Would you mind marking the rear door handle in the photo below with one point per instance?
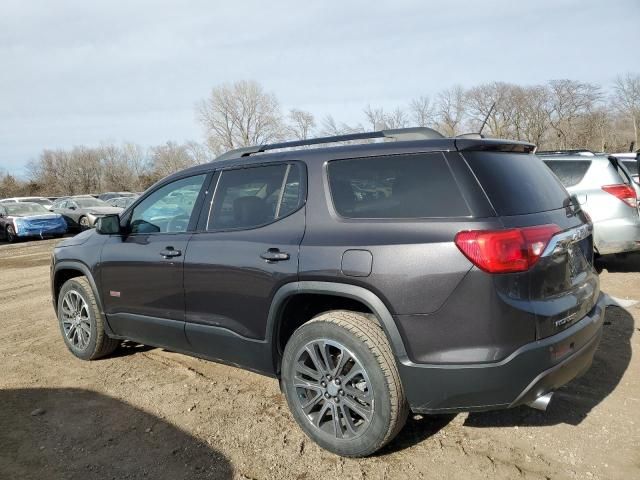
(170, 252)
(274, 255)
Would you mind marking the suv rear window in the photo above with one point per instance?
(398, 186)
(517, 183)
(570, 172)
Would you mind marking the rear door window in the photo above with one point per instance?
(255, 196)
(398, 186)
(570, 172)
(517, 183)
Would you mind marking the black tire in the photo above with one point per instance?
(98, 344)
(83, 224)
(10, 234)
(367, 341)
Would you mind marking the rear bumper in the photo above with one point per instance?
(532, 370)
(617, 235)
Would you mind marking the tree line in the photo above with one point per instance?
(560, 114)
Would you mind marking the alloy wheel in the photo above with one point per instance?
(84, 223)
(75, 319)
(333, 389)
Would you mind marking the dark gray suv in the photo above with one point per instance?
(425, 274)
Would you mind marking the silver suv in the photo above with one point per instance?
(606, 191)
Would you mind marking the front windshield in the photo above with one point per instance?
(24, 208)
(89, 202)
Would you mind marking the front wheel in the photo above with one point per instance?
(81, 322)
(10, 233)
(342, 384)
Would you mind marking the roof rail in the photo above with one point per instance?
(414, 133)
(582, 152)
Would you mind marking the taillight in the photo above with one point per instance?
(624, 192)
(505, 251)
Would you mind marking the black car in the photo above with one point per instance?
(421, 274)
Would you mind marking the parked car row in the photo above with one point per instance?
(40, 217)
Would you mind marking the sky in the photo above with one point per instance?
(90, 72)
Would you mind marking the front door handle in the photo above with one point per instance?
(274, 255)
(170, 252)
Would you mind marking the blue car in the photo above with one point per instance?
(18, 220)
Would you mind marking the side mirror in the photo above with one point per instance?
(108, 225)
(72, 207)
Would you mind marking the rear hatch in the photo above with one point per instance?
(559, 286)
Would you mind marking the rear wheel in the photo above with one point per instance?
(81, 322)
(10, 234)
(342, 384)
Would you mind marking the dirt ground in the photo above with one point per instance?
(149, 413)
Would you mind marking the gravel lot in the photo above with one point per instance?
(149, 413)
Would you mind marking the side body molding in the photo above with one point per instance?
(370, 299)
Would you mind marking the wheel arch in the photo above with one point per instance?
(67, 269)
(358, 294)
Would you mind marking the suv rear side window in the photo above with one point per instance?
(570, 172)
(398, 186)
(517, 183)
(255, 196)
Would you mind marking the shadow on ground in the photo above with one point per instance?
(622, 263)
(417, 429)
(84, 434)
(572, 403)
(128, 347)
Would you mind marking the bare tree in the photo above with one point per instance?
(171, 157)
(535, 112)
(569, 99)
(422, 112)
(9, 185)
(627, 99)
(376, 118)
(198, 152)
(450, 110)
(498, 103)
(301, 124)
(238, 115)
(117, 173)
(330, 127)
(398, 118)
